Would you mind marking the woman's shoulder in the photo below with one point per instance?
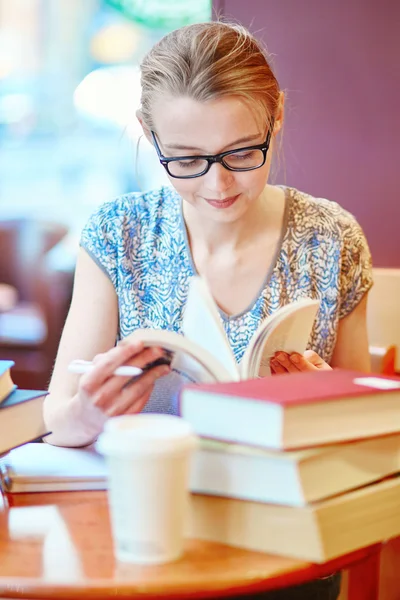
(122, 219)
(138, 204)
(322, 215)
(131, 211)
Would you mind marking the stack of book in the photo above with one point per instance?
(21, 411)
(300, 465)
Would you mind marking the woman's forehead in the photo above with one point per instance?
(184, 121)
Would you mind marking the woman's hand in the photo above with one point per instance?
(115, 395)
(295, 363)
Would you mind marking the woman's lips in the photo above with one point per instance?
(222, 203)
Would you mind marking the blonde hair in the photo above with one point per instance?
(207, 61)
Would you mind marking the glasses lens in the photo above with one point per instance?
(250, 159)
(187, 167)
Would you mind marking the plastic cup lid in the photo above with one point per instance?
(145, 433)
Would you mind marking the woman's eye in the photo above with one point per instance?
(188, 163)
(242, 156)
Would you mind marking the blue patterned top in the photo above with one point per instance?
(140, 241)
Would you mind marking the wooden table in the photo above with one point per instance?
(59, 545)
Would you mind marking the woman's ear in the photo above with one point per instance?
(278, 123)
(145, 129)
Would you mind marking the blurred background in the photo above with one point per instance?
(69, 89)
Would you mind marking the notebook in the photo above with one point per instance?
(44, 468)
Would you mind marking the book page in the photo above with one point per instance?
(186, 357)
(287, 330)
(202, 325)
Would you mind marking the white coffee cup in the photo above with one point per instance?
(148, 467)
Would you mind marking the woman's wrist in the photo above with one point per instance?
(73, 422)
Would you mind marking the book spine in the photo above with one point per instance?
(5, 479)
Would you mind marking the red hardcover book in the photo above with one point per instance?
(295, 410)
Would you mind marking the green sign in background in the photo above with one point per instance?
(164, 13)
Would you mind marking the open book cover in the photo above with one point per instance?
(203, 352)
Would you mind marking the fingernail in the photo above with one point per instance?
(281, 356)
(295, 358)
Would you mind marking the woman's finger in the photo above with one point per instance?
(301, 363)
(276, 367)
(134, 396)
(309, 361)
(105, 394)
(283, 359)
(316, 360)
(137, 407)
(105, 365)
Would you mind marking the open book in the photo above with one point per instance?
(203, 353)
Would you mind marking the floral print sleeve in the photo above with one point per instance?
(356, 267)
(101, 237)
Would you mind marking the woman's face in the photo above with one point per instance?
(186, 127)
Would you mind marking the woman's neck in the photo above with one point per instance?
(264, 215)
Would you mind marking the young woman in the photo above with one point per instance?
(213, 109)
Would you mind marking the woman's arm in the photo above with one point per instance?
(91, 326)
(351, 349)
(77, 406)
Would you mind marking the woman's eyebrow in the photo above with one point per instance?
(243, 140)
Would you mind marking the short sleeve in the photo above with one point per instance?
(356, 267)
(100, 239)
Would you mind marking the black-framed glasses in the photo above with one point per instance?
(241, 159)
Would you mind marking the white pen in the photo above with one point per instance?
(84, 366)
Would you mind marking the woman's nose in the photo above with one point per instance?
(218, 178)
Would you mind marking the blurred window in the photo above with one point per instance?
(69, 88)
